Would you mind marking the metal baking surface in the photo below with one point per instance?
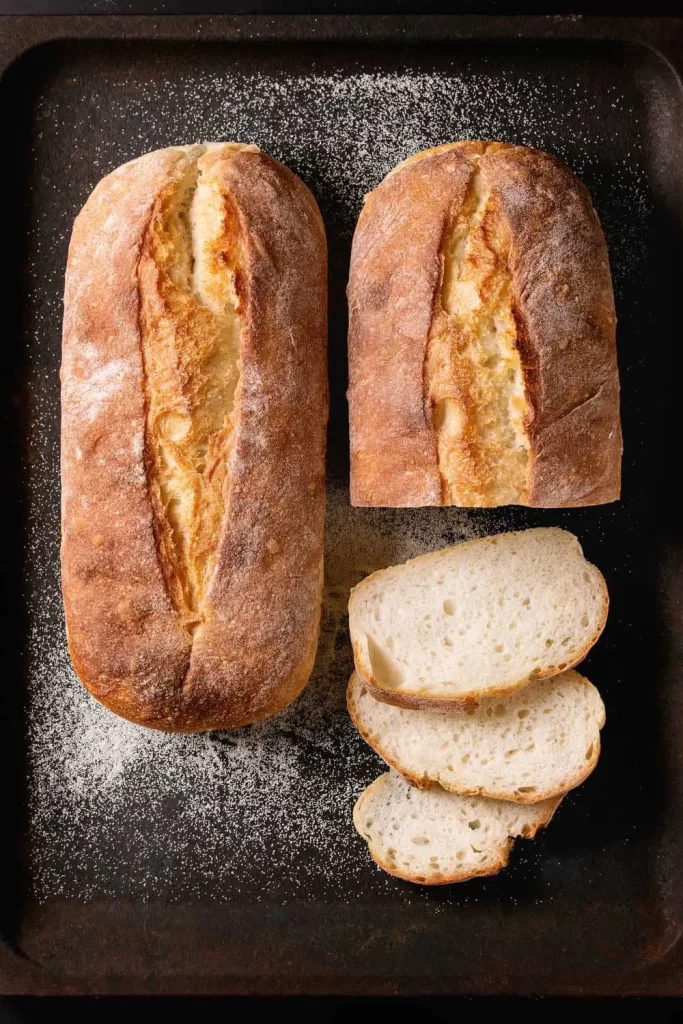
(140, 862)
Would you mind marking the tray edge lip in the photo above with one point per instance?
(662, 35)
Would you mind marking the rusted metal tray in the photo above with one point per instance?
(134, 862)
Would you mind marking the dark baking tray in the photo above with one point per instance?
(138, 866)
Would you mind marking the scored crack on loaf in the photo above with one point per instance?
(433, 837)
(191, 274)
(541, 742)
(194, 406)
(482, 348)
(479, 619)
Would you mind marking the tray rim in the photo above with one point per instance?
(663, 36)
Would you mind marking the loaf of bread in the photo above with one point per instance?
(482, 355)
(541, 742)
(480, 619)
(434, 837)
(194, 407)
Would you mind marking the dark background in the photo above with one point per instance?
(330, 1010)
(339, 1011)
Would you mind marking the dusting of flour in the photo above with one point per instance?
(214, 809)
(263, 812)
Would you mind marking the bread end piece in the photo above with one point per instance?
(431, 837)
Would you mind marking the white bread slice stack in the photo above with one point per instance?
(434, 837)
(463, 686)
(542, 741)
(478, 619)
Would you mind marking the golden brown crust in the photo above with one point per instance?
(415, 701)
(395, 273)
(567, 324)
(254, 650)
(424, 782)
(561, 295)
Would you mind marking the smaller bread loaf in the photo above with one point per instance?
(482, 352)
(434, 837)
(480, 619)
(540, 742)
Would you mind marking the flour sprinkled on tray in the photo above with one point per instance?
(263, 812)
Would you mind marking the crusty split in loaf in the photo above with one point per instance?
(194, 406)
(540, 742)
(478, 619)
(482, 354)
(434, 837)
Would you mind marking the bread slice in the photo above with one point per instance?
(478, 619)
(542, 741)
(434, 837)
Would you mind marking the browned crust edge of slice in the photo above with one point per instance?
(467, 876)
(423, 782)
